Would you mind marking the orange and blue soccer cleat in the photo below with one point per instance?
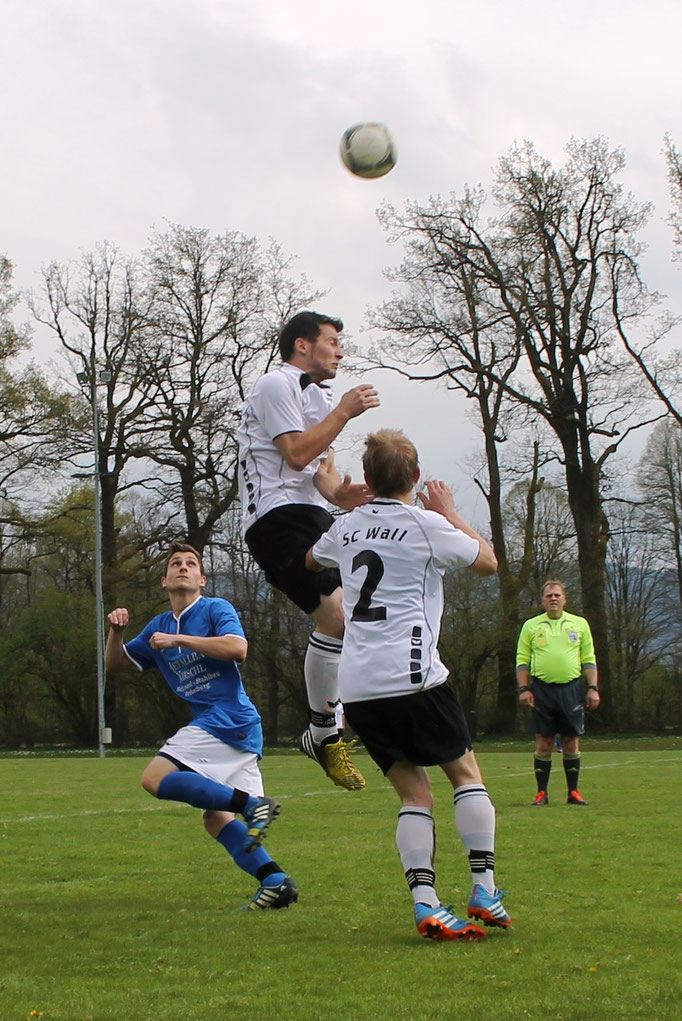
(440, 923)
(488, 907)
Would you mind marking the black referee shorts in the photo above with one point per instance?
(558, 708)
(279, 541)
(427, 728)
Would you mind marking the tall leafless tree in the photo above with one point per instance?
(218, 304)
(544, 278)
(659, 482)
(98, 310)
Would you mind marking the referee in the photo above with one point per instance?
(554, 650)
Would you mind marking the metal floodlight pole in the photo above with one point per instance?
(99, 595)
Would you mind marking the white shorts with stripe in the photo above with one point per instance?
(214, 759)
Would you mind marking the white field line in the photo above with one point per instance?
(157, 807)
(585, 766)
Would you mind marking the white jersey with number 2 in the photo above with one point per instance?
(392, 558)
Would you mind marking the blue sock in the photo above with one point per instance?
(198, 791)
(257, 863)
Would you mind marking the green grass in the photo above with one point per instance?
(117, 907)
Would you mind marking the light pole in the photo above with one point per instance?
(103, 732)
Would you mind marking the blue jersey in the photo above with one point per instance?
(213, 687)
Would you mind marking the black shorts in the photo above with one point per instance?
(279, 541)
(558, 708)
(427, 728)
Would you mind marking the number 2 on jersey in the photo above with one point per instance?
(375, 571)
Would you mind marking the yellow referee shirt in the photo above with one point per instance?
(555, 650)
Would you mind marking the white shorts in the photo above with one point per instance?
(214, 759)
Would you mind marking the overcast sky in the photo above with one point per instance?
(227, 114)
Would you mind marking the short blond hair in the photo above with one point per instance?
(553, 581)
(390, 462)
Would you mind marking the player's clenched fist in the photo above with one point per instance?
(360, 398)
(160, 640)
(118, 618)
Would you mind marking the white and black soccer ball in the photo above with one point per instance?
(368, 149)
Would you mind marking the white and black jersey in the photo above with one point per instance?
(392, 557)
(282, 401)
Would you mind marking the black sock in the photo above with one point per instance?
(543, 768)
(572, 771)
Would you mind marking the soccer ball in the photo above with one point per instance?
(368, 150)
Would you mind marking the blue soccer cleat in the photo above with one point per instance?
(488, 907)
(258, 815)
(281, 895)
(441, 923)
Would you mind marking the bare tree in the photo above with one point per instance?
(660, 366)
(553, 536)
(219, 301)
(545, 277)
(444, 327)
(659, 481)
(98, 309)
(641, 624)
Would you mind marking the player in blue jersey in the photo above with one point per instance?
(212, 763)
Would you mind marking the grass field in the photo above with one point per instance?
(116, 907)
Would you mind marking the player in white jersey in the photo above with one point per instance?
(392, 556)
(286, 479)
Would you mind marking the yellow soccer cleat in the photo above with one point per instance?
(335, 761)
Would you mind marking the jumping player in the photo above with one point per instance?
(286, 479)
(392, 556)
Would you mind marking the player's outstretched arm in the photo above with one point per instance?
(439, 498)
(299, 448)
(114, 653)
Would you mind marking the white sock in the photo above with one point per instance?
(475, 822)
(415, 837)
(321, 669)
